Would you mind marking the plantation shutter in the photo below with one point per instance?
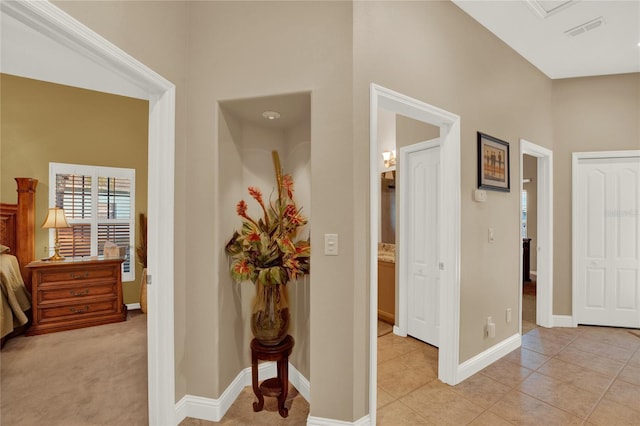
(99, 205)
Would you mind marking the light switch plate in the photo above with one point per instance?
(331, 244)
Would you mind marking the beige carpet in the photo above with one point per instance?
(90, 376)
(241, 411)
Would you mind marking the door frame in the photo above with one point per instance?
(449, 124)
(544, 249)
(576, 157)
(55, 25)
(403, 292)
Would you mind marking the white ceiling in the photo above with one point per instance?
(537, 30)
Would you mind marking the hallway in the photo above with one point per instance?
(559, 376)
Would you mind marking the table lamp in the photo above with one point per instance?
(56, 220)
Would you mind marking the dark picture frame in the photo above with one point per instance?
(494, 166)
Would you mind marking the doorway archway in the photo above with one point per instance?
(449, 124)
(40, 31)
(544, 283)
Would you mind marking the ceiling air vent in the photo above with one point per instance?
(583, 28)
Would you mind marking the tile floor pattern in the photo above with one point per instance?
(560, 376)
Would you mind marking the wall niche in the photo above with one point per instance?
(247, 136)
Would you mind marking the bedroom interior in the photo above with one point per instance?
(44, 122)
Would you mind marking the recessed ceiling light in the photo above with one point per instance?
(271, 115)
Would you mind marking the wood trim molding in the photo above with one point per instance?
(25, 225)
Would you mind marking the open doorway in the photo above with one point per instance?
(539, 165)
(449, 231)
(32, 31)
(529, 228)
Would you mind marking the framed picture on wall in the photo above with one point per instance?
(493, 163)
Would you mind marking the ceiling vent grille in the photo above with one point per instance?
(583, 28)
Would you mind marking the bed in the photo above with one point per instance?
(17, 247)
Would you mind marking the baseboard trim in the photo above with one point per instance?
(563, 321)
(488, 357)
(321, 421)
(133, 306)
(213, 410)
(398, 332)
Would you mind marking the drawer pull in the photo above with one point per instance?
(79, 276)
(79, 310)
(79, 293)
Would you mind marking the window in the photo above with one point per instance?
(99, 204)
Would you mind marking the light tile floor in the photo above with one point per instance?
(560, 376)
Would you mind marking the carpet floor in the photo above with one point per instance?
(90, 376)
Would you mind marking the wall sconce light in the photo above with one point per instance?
(389, 158)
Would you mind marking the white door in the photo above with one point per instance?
(423, 257)
(607, 240)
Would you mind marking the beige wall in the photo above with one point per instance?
(589, 114)
(530, 171)
(44, 122)
(246, 49)
(432, 51)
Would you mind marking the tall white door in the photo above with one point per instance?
(607, 242)
(423, 255)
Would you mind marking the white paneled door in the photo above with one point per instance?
(423, 249)
(607, 241)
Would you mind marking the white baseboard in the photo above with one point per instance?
(320, 421)
(488, 357)
(398, 332)
(211, 409)
(563, 321)
(133, 306)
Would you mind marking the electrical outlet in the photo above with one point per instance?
(492, 235)
(509, 318)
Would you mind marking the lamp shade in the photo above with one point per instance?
(55, 219)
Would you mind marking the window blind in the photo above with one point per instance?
(99, 204)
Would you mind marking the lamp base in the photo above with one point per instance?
(55, 258)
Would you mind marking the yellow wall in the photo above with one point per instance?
(43, 122)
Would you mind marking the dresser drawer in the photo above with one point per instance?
(75, 275)
(77, 310)
(75, 293)
(54, 293)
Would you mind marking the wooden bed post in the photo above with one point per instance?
(25, 225)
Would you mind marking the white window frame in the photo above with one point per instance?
(95, 172)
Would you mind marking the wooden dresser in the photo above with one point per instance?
(75, 293)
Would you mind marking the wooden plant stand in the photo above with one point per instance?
(278, 386)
